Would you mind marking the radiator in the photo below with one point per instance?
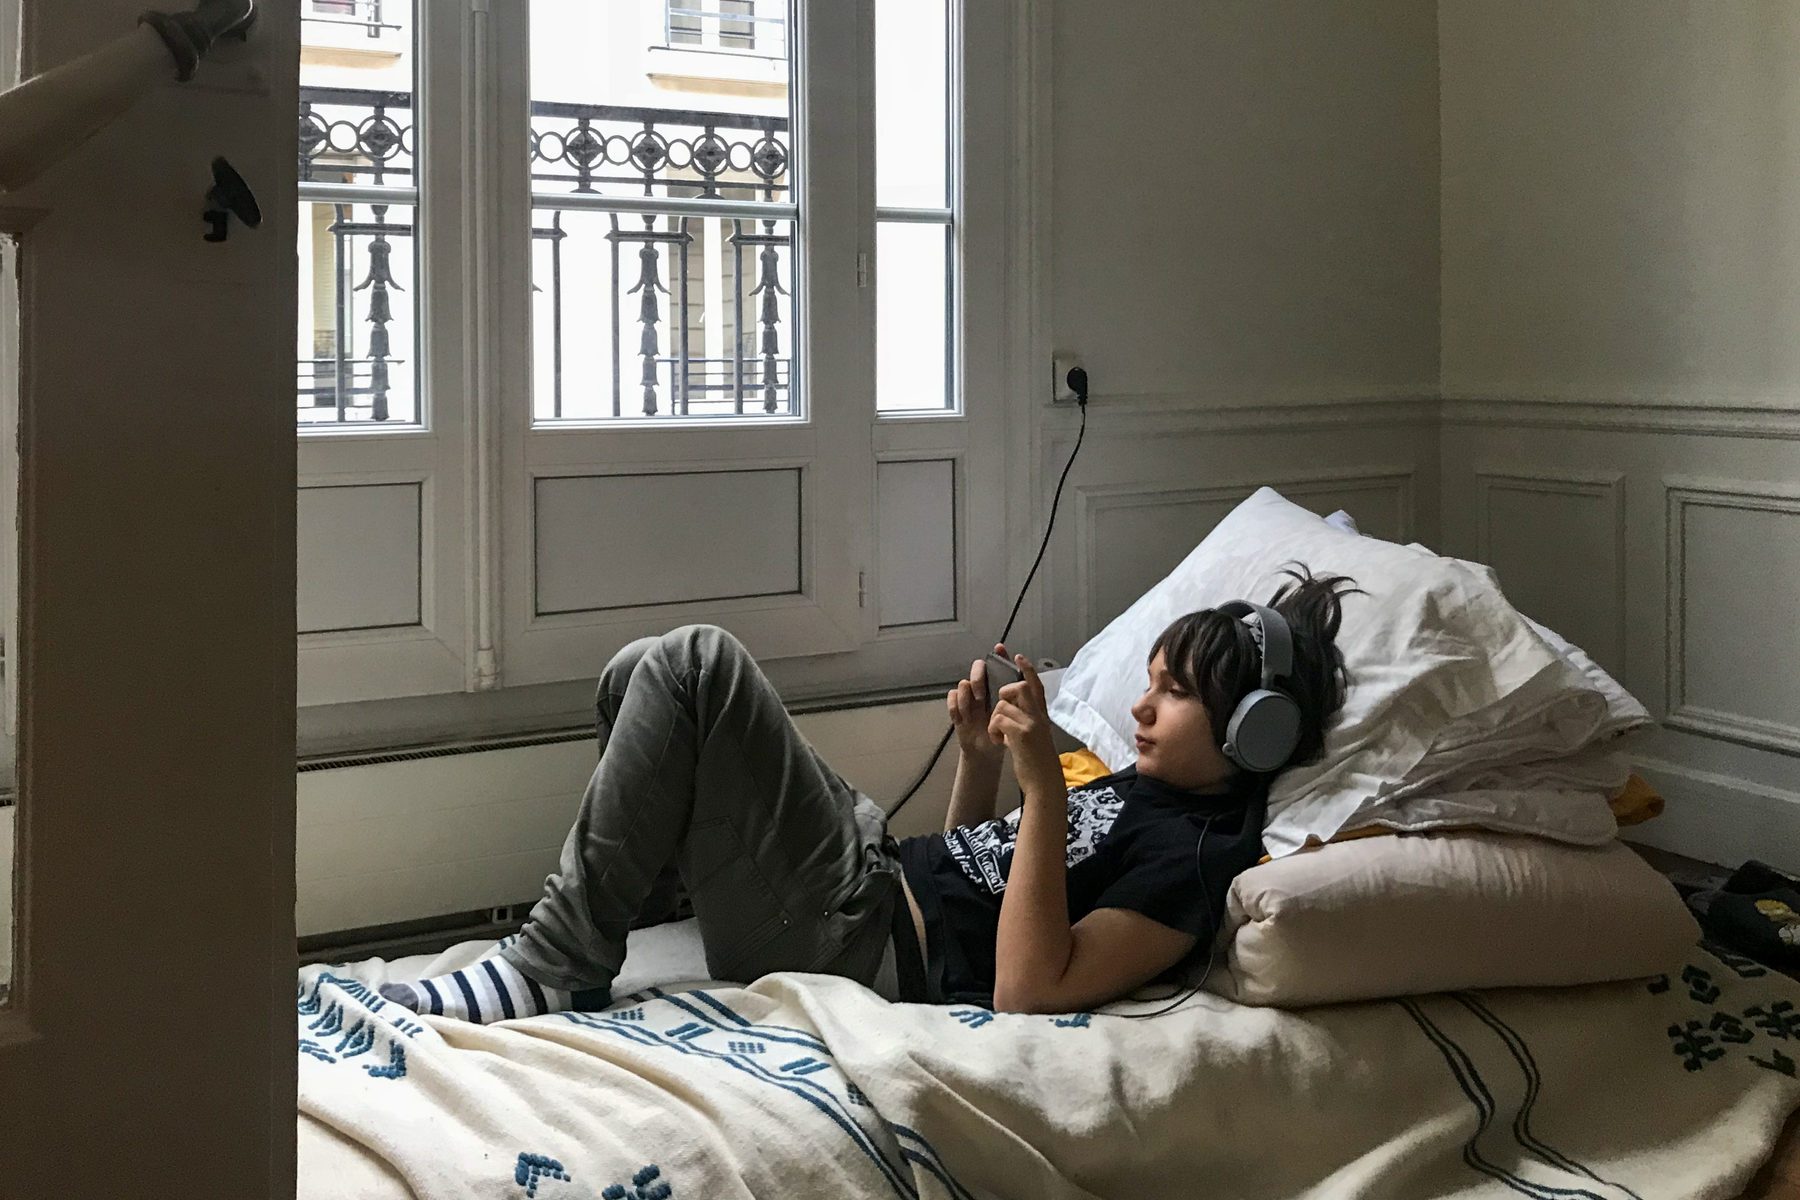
(411, 837)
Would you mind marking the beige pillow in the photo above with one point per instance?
(1393, 916)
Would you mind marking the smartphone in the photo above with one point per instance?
(1000, 672)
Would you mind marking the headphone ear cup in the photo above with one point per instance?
(1263, 731)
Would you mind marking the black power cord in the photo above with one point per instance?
(1078, 384)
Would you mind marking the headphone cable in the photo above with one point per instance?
(1049, 526)
(1212, 931)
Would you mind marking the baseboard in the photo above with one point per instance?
(1720, 819)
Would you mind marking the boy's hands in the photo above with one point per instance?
(1021, 721)
(967, 702)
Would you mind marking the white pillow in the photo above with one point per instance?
(1446, 678)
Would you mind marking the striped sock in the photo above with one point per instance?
(490, 990)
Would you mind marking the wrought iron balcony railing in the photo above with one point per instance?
(587, 153)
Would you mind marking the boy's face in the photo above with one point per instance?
(1174, 735)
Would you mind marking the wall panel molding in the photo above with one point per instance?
(1683, 494)
(1607, 487)
(1093, 501)
(384, 596)
(708, 535)
(1294, 411)
(1749, 417)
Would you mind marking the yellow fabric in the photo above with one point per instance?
(1081, 767)
(1636, 802)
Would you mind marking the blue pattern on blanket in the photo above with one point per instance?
(700, 1024)
(974, 1018)
(364, 1035)
(647, 1183)
(1703, 1038)
(534, 1167)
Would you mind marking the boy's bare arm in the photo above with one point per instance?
(972, 796)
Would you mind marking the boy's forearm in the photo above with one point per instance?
(973, 794)
(1034, 941)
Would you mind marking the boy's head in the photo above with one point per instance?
(1207, 661)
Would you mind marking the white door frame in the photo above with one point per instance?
(148, 1045)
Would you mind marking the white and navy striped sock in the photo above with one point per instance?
(490, 990)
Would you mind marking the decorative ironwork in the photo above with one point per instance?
(356, 388)
(351, 135)
(622, 150)
(380, 278)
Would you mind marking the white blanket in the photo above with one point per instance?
(808, 1085)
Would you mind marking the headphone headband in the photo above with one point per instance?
(1273, 638)
(1265, 728)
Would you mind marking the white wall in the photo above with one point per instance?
(1619, 181)
(1243, 248)
(1621, 297)
(1245, 195)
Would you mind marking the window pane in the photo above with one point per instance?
(912, 104)
(661, 313)
(358, 350)
(357, 341)
(913, 311)
(636, 316)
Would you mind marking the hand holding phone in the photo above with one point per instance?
(1000, 672)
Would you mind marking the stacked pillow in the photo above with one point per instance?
(1463, 721)
(1451, 689)
(1391, 916)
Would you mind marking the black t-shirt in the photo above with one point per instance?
(1132, 844)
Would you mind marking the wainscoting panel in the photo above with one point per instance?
(359, 557)
(1135, 534)
(1734, 612)
(1664, 538)
(1525, 517)
(916, 532)
(1152, 483)
(626, 541)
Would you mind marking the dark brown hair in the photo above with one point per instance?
(1214, 656)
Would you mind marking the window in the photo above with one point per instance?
(651, 298)
(915, 244)
(358, 346)
(728, 25)
(621, 314)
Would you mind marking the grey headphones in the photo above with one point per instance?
(1265, 727)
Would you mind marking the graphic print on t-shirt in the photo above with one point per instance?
(984, 851)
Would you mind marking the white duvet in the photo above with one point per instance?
(812, 1086)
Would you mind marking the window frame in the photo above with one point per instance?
(432, 656)
(478, 478)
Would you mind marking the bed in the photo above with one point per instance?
(1677, 1083)
(806, 1085)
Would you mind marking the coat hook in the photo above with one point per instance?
(228, 196)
